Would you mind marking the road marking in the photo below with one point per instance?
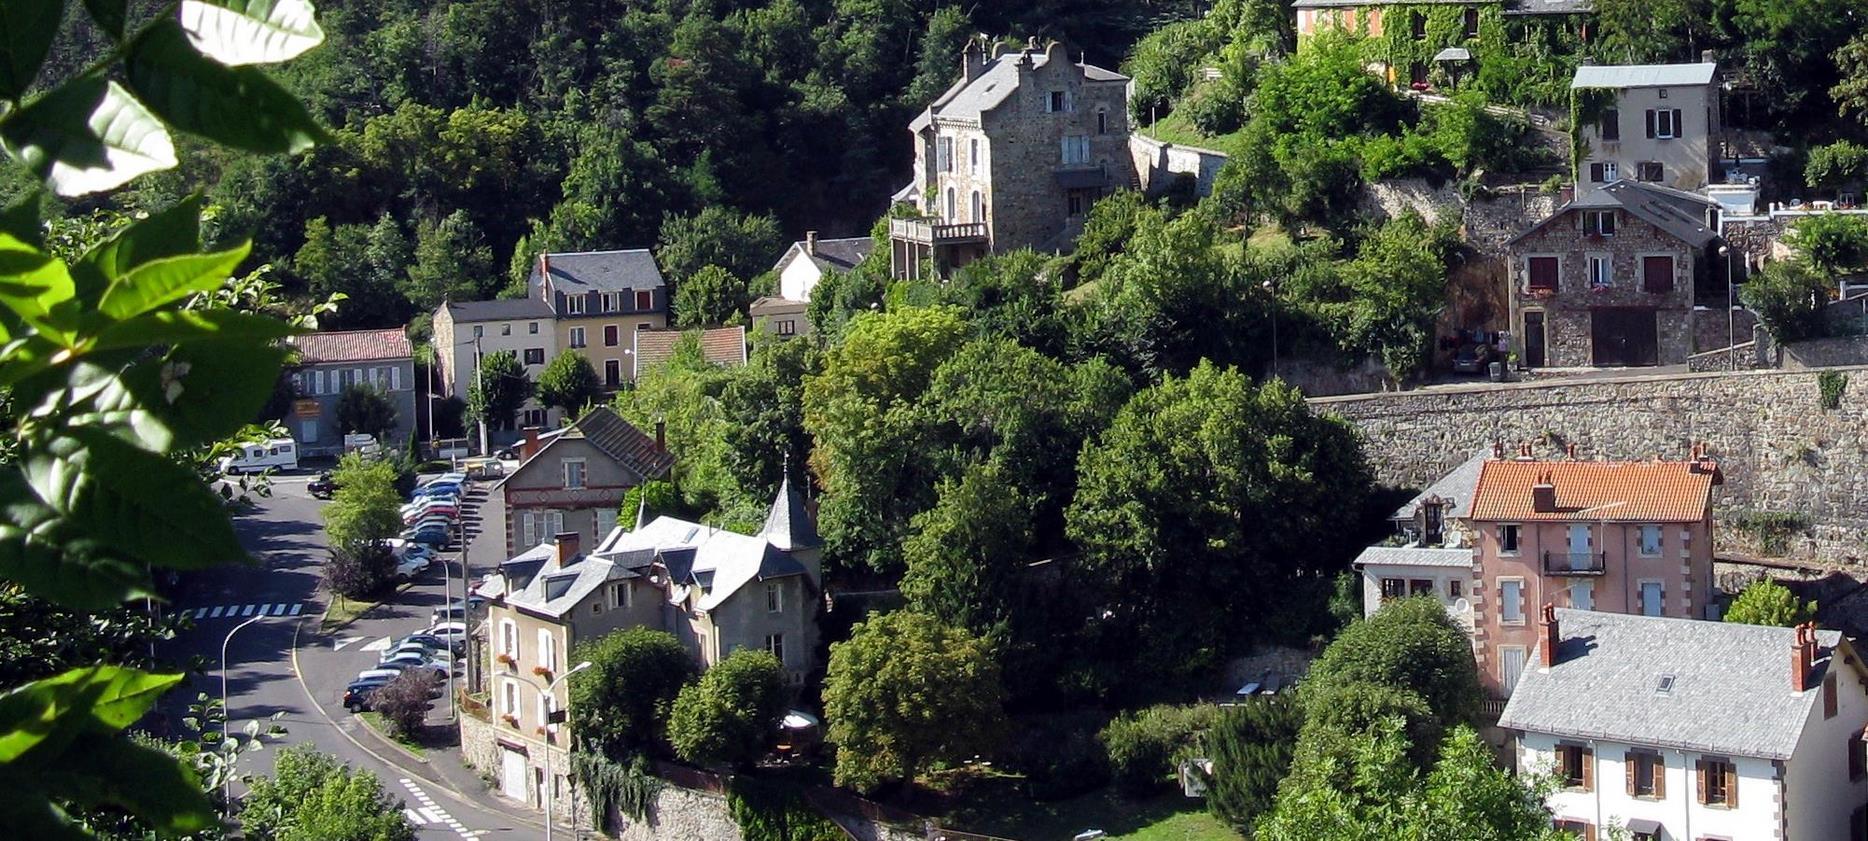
(341, 643)
(379, 645)
(234, 611)
(432, 813)
(296, 608)
(249, 611)
(217, 612)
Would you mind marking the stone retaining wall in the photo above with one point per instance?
(1158, 164)
(1778, 449)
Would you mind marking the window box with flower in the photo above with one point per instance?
(506, 660)
(542, 671)
(510, 721)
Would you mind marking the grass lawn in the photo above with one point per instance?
(1169, 817)
(342, 611)
(1176, 128)
(374, 721)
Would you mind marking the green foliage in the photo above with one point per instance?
(629, 790)
(1169, 510)
(709, 297)
(620, 705)
(1060, 756)
(739, 244)
(39, 639)
(1837, 164)
(311, 797)
(452, 261)
(1164, 62)
(1107, 231)
(569, 384)
(1653, 31)
(775, 812)
(1790, 51)
(1587, 106)
(1851, 88)
(1145, 748)
(964, 554)
(499, 389)
(404, 703)
(1766, 602)
(1771, 530)
(1830, 385)
(364, 512)
(1788, 296)
(1368, 788)
(687, 393)
(1251, 745)
(1832, 242)
(904, 694)
(362, 408)
(1442, 26)
(1411, 645)
(731, 714)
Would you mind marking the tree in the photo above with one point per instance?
(498, 390)
(569, 384)
(741, 244)
(1851, 90)
(1788, 296)
(1837, 164)
(711, 296)
(362, 408)
(39, 638)
(620, 705)
(1653, 31)
(729, 717)
(1251, 747)
(311, 797)
(1410, 645)
(452, 261)
(404, 702)
(1169, 512)
(364, 512)
(964, 553)
(1832, 242)
(904, 693)
(1766, 602)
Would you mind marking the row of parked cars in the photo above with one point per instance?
(429, 518)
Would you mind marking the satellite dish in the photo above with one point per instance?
(1462, 606)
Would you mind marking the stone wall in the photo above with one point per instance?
(1710, 326)
(1157, 165)
(1778, 449)
(1826, 353)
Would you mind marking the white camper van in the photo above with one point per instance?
(279, 453)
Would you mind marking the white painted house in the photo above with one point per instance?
(806, 263)
(1686, 730)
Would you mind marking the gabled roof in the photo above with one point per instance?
(994, 85)
(1679, 214)
(554, 590)
(1729, 693)
(612, 436)
(789, 525)
(1457, 486)
(504, 309)
(1643, 75)
(351, 346)
(578, 272)
(719, 346)
(1596, 491)
(830, 255)
(716, 561)
(1414, 556)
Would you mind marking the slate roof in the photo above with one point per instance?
(554, 590)
(995, 83)
(1643, 75)
(621, 440)
(716, 561)
(1414, 556)
(577, 272)
(504, 309)
(1456, 485)
(1730, 693)
(789, 525)
(719, 345)
(351, 346)
(1550, 7)
(1678, 213)
(1595, 491)
(840, 255)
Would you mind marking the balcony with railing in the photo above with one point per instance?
(930, 230)
(1575, 563)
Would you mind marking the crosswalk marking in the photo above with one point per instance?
(232, 611)
(217, 613)
(430, 812)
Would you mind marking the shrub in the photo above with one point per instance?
(620, 706)
(1215, 108)
(1145, 748)
(1060, 757)
(1832, 241)
(358, 570)
(730, 716)
(1770, 530)
(1836, 165)
(404, 702)
(1251, 747)
(1788, 297)
(1767, 602)
(1411, 645)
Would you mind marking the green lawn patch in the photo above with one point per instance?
(342, 611)
(1176, 128)
(1167, 817)
(375, 722)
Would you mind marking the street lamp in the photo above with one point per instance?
(227, 778)
(1731, 320)
(1271, 287)
(551, 779)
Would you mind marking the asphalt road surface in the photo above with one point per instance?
(279, 595)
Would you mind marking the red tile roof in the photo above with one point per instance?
(719, 345)
(1630, 491)
(352, 346)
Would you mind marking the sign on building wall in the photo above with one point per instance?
(305, 408)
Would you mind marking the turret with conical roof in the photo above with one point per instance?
(789, 526)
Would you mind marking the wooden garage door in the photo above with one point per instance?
(1624, 336)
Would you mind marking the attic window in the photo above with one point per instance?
(1664, 685)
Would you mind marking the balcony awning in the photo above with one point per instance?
(1453, 54)
(1082, 179)
(1644, 826)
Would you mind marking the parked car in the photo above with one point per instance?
(508, 454)
(445, 478)
(430, 641)
(445, 512)
(406, 660)
(360, 693)
(438, 489)
(408, 568)
(454, 611)
(1471, 359)
(438, 654)
(281, 453)
(386, 675)
(404, 548)
(454, 632)
(323, 487)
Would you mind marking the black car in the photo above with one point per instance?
(322, 487)
(358, 694)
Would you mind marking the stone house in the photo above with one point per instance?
(1609, 278)
(574, 480)
(329, 363)
(1618, 537)
(1652, 123)
(599, 299)
(715, 590)
(802, 267)
(1011, 156)
(1668, 728)
(466, 331)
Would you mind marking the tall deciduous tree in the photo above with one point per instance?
(741, 243)
(620, 705)
(965, 553)
(1410, 645)
(452, 261)
(730, 716)
(362, 408)
(500, 387)
(569, 383)
(905, 692)
(1851, 89)
(709, 297)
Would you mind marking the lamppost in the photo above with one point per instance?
(551, 779)
(1731, 318)
(1271, 287)
(227, 778)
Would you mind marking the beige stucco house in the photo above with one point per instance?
(467, 331)
(573, 480)
(1653, 123)
(599, 299)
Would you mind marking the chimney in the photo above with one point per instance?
(1544, 495)
(973, 59)
(1802, 656)
(1524, 451)
(1570, 451)
(567, 548)
(1706, 57)
(1548, 657)
(544, 276)
(810, 243)
(998, 49)
(661, 436)
(530, 448)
